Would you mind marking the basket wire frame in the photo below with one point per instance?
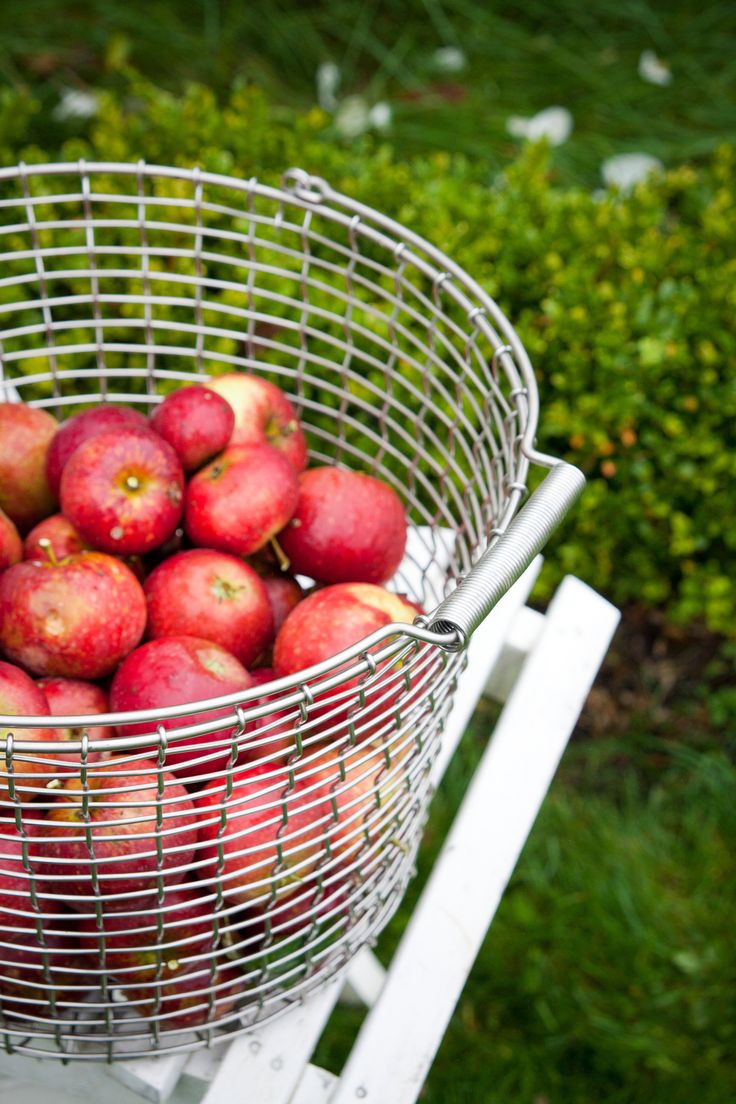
(120, 283)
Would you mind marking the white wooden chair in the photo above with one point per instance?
(541, 667)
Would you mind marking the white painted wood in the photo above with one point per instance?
(152, 1079)
(199, 1071)
(400, 1036)
(24, 1092)
(523, 633)
(316, 1086)
(483, 651)
(363, 981)
(37, 1080)
(265, 1067)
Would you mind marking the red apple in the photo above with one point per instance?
(262, 839)
(241, 500)
(11, 546)
(27, 980)
(72, 698)
(79, 428)
(20, 697)
(155, 935)
(330, 620)
(263, 415)
(197, 423)
(283, 593)
(123, 491)
(18, 887)
(178, 670)
(334, 618)
(77, 618)
(54, 538)
(347, 528)
(213, 595)
(261, 675)
(273, 737)
(128, 827)
(359, 791)
(25, 433)
(192, 999)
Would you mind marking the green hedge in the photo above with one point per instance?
(625, 303)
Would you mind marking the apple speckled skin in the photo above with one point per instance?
(80, 428)
(177, 670)
(20, 697)
(122, 821)
(123, 491)
(134, 943)
(11, 546)
(63, 538)
(347, 528)
(75, 697)
(334, 618)
(326, 622)
(241, 500)
(213, 595)
(25, 436)
(263, 415)
(77, 618)
(197, 423)
(256, 853)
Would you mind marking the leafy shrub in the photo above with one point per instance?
(625, 304)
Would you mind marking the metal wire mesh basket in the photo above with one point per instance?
(120, 282)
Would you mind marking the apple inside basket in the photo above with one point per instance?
(195, 857)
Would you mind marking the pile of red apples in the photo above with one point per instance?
(148, 563)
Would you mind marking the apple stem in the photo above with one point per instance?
(48, 549)
(283, 560)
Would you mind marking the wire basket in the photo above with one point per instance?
(119, 283)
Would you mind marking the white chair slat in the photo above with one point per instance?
(398, 1040)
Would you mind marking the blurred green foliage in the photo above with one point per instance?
(452, 71)
(624, 302)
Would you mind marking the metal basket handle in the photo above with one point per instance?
(510, 555)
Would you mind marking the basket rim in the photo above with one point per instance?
(311, 193)
(292, 690)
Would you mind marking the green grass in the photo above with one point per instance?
(519, 61)
(608, 973)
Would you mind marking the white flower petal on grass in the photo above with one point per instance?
(75, 104)
(380, 115)
(554, 124)
(517, 126)
(449, 59)
(328, 82)
(352, 117)
(627, 169)
(653, 69)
